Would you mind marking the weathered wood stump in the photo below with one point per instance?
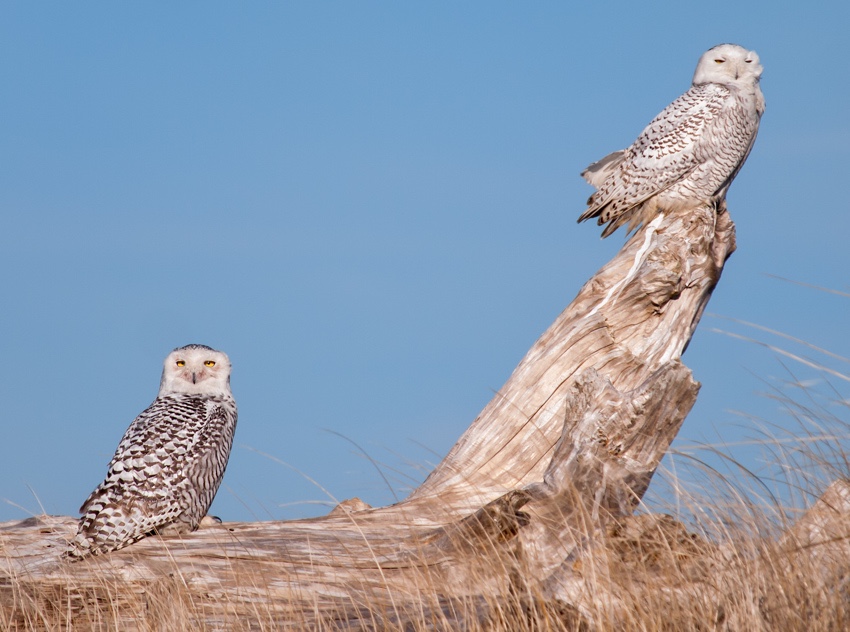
(561, 456)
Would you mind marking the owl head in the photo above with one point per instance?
(728, 64)
(195, 370)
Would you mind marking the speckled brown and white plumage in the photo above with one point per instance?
(690, 153)
(171, 460)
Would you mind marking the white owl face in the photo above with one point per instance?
(197, 370)
(728, 64)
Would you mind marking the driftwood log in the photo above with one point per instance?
(563, 452)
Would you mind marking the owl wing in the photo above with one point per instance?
(150, 451)
(144, 485)
(669, 149)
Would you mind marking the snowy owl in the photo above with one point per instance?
(690, 153)
(170, 461)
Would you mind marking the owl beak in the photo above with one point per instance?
(194, 378)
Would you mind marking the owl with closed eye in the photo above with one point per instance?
(170, 462)
(690, 153)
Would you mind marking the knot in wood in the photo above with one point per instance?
(661, 280)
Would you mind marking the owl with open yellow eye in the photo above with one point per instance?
(170, 462)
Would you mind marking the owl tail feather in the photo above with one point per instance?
(600, 170)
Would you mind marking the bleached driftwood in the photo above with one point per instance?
(563, 452)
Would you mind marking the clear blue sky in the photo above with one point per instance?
(371, 208)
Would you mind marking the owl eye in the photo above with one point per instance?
(719, 61)
(749, 61)
(181, 363)
(209, 363)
